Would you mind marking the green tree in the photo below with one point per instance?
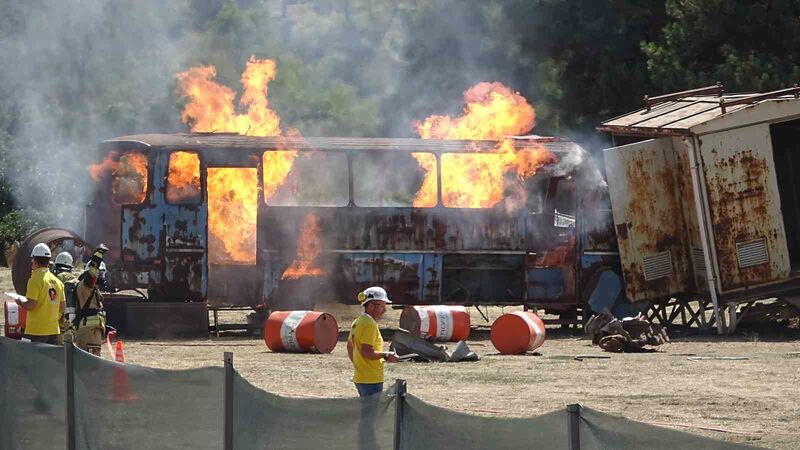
(749, 46)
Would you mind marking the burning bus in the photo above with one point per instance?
(243, 212)
(217, 220)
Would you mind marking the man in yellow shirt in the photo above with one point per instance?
(45, 299)
(365, 344)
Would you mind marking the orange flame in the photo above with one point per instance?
(211, 108)
(108, 165)
(309, 245)
(130, 178)
(183, 181)
(276, 166)
(129, 184)
(426, 196)
(232, 199)
(469, 180)
(493, 111)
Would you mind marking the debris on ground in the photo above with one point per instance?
(717, 358)
(631, 334)
(405, 343)
(582, 357)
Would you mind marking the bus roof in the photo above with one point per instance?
(230, 141)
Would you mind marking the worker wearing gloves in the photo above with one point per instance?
(365, 344)
(89, 323)
(45, 300)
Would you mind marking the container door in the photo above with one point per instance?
(745, 207)
(232, 219)
(552, 244)
(134, 188)
(648, 219)
(185, 210)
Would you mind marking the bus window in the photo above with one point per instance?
(472, 180)
(130, 179)
(302, 178)
(183, 180)
(598, 221)
(394, 179)
(564, 216)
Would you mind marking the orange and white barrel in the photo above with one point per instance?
(301, 332)
(14, 319)
(518, 332)
(438, 322)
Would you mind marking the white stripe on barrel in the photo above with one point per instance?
(437, 322)
(289, 330)
(301, 331)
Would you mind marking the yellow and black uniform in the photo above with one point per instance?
(91, 322)
(365, 331)
(48, 291)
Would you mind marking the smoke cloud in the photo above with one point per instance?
(77, 73)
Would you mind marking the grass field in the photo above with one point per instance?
(752, 400)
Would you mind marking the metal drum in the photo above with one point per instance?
(301, 332)
(518, 332)
(440, 322)
(14, 319)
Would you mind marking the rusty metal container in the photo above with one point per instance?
(697, 195)
(439, 322)
(517, 333)
(14, 319)
(301, 332)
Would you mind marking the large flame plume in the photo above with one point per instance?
(211, 105)
(183, 180)
(477, 180)
(309, 246)
(211, 109)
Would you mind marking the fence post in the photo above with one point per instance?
(69, 388)
(228, 421)
(573, 426)
(400, 398)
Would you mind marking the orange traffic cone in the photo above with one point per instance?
(121, 391)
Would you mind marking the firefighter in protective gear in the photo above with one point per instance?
(89, 323)
(63, 271)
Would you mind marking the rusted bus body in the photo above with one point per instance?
(548, 252)
(704, 201)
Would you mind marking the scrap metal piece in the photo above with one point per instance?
(631, 334)
(405, 343)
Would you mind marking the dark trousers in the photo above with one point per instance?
(51, 339)
(367, 389)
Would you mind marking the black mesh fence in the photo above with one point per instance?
(131, 407)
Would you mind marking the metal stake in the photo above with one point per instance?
(400, 391)
(573, 426)
(228, 421)
(69, 377)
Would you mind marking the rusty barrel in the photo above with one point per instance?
(14, 319)
(438, 322)
(518, 332)
(301, 332)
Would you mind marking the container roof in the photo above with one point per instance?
(236, 141)
(694, 114)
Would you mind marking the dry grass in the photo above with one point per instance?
(755, 399)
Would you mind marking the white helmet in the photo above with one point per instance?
(41, 250)
(373, 293)
(64, 259)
